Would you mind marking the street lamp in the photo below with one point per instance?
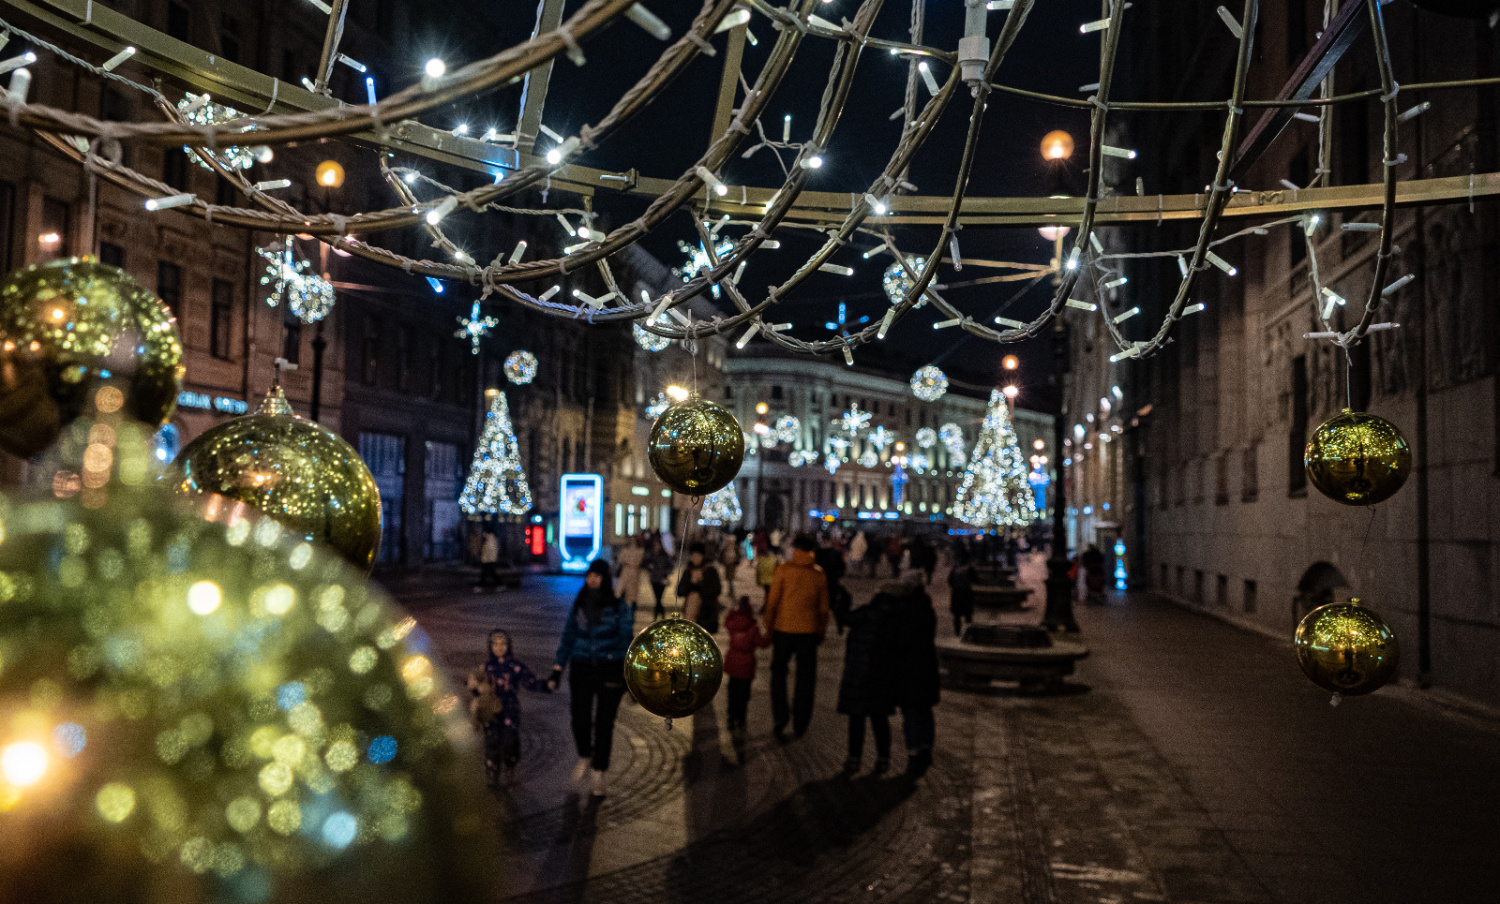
(1057, 146)
(1011, 391)
(1010, 362)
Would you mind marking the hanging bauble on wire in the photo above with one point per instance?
(68, 326)
(787, 428)
(520, 367)
(310, 296)
(929, 383)
(198, 110)
(696, 447)
(1358, 459)
(294, 470)
(210, 708)
(1347, 648)
(896, 282)
(926, 437)
(649, 340)
(673, 668)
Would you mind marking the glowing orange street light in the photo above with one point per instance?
(1057, 145)
(1010, 362)
(330, 174)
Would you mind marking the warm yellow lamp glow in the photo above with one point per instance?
(1057, 145)
(330, 174)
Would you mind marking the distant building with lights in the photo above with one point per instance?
(787, 484)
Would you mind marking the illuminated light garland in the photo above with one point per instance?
(309, 295)
(926, 438)
(520, 367)
(929, 383)
(881, 437)
(497, 481)
(996, 489)
(475, 328)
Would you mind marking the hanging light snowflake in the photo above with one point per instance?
(920, 463)
(661, 403)
(897, 283)
(838, 447)
(853, 420)
(868, 459)
(198, 110)
(831, 464)
(309, 295)
(787, 428)
(927, 438)
(796, 459)
(809, 456)
(697, 260)
(881, 437)
(929, 383)
(474, 327)
(649, 340)
(520, 367)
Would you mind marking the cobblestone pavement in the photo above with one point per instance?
(1190, 763)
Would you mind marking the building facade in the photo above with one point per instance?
(1216, 425)
(785, 483)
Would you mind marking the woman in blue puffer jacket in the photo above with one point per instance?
(594, 641)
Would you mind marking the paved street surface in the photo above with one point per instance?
(1190, 763)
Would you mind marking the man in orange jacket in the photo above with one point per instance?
(797, 616)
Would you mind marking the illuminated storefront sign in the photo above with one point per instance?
(581, 508)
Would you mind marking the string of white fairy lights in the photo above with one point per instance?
(95, 143)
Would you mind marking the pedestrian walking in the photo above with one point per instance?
(831, 561)
(894, 551)
(866, 690)
(489, 561)
(859, 547)
(765, 562)
(699, 588)
(915, 673)
(592, 649)
(631, 557)
(797, 616)
(961, 595)
(745, 637)
(1092, 561)
(924, 556)
(658, 564)
(496, 707)
(729, 557)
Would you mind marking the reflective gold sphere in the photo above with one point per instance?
(292, 469)
(66, 327)
(1358, 459)
(215, 709)
(1347, 648)
(673, 668)
(696, 447)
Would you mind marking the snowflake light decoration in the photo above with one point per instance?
(881, 437)
(649, 340)
(868, 459)
(198, 110)
(929, 383)
(309, 295)
(796, 459)
(927, 438)
(920, 463)
(853, 420)
(475, 328)
(787, 428)
(697, 260)
(838, 447)
(897, 283)
(520, 367)
(831, 464)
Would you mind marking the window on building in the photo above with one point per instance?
(179, 21)
(229, 39)
(53, 239)
(776, 393)
(1249, 596)
(1249, 476)
(1223, 591)
(403, 360)
(291, 337)
(174, 168)
(1221, 479)
(434, 370)
(1297, 440)
(169, 285)
(221, 318)
(112, 254)
(370, 351)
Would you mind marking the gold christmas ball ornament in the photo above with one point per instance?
(696, 447)
(673, 668)
(69, 326)
(1358, 459)
(291, 469)
(1347, 648)
(200, 705)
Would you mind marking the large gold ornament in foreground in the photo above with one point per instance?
(673, 668)
(1358, 459)
(696, 447)
(203, 706)
(1347, 648)
(68, 326)
(292, 469)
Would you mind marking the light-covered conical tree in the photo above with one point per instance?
(995, 492)
(497, 482)
(722, 507)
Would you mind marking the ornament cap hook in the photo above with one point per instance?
(275, 403)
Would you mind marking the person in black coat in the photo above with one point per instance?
(915, 673)
(867, 689)
(828, 558)
(961, 596)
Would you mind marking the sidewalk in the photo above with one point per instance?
(1193, 764)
